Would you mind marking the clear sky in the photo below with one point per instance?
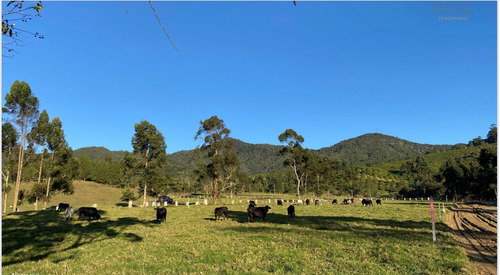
(329, 70)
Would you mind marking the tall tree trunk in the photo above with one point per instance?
(298, 179)
(41, 164)
(6, 178)
(20, 163)
(215, 193)
(48, 186)
(145, 183)
(5, 203)
(145, 192)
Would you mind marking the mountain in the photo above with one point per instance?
(368, 149)
(98, 153)
(377, 148)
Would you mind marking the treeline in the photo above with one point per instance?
(471, 175)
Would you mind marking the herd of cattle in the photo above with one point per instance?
(220, 212)
(83, 212)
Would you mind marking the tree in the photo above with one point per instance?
(150, 152)
(23, 106)
(15, 12)
(86, 167)
(492, 134)
(39, 135)
(128, 195)
(9, 143)
(453, 174)
(296, 154)
(60, 159)
(488, 172)
(223, 161)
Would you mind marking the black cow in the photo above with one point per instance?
(308, 202)
(89, 212)
(346, 201)
(280, 202)
(334, 201)
(257, 212)
(379, 202)
(62, 206)
(68, 214)
(220, 212)
(316, 202)
(365, 202)
(291, 211)
(161, 214)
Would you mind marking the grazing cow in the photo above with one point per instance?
(379, 202)
(316, 202)
(62, 206)
(291, 211)
(334, 201)
(257, 212)
(346, 201)
(161, 214)
(365, 202)
(280, 202)
(308, 202)
(352, 200)
(220, 212)
(89, 212)
(300, 202)
(68, 214)
(252, 204)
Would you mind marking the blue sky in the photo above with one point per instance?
(329, 70)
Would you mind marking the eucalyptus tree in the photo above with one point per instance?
(297, 156)
(9, 143)
(223, 162)
(22, 105)
(320, 169)
(150, 153)
(39, 134)
(60, 156)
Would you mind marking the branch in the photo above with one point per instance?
(159, 21)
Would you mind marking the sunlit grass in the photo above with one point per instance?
(394, 238)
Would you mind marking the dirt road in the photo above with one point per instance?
(475, 228)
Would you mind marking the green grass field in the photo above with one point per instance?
(394, 238)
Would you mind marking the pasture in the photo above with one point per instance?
(394, 238)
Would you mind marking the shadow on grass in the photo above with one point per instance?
(124, 204)
(35, 235)
(358, 226)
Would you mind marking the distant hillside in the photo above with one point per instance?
(367, 149)
(98, 153)
(254, 159)
(435, 159)
(258, 158)
(371, 149)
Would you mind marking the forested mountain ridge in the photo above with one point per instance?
(367, 149)
(96, 153)
(377, 148)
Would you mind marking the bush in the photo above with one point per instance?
(128, 195)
